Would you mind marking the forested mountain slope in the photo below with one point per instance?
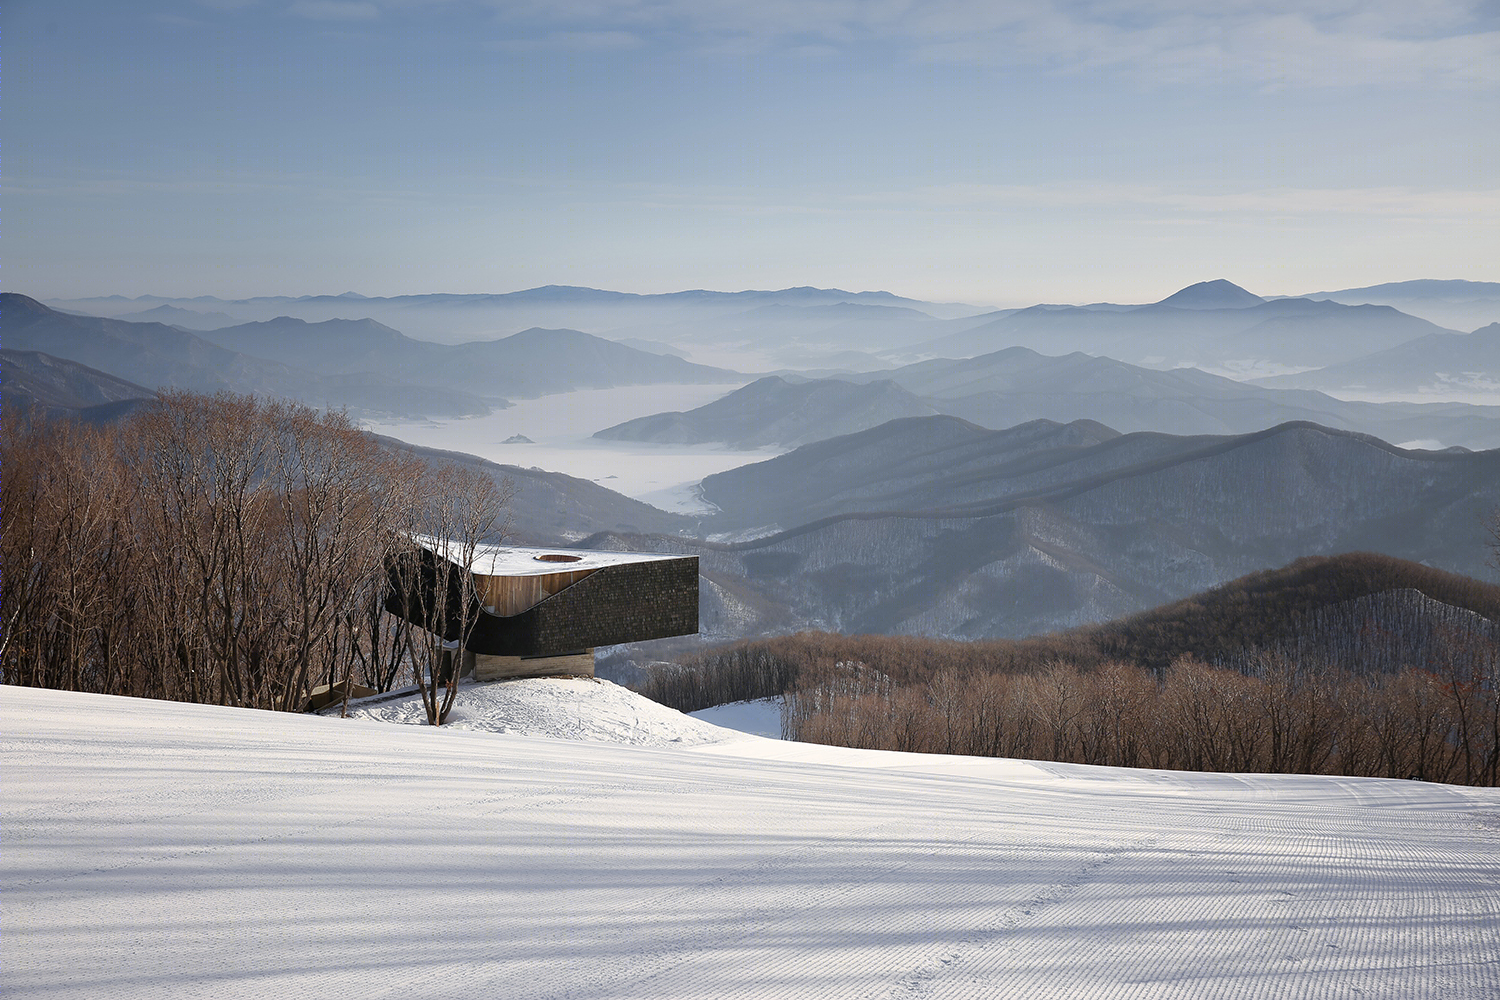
(34, 381)
(1017, 385)
(1091, 536)
(773, 411)
(531, 363)
(156, 355)
(1440, 362)
(1288, 331)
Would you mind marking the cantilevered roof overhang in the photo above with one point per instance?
(530, 601)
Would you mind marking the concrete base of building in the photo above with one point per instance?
(483, 667)
(326, 694)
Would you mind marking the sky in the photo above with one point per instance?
(983, 151)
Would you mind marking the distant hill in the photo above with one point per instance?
(853, 323)
(537, 362)
(551, 508)
(1440, 362)
(772, 411)
(1213, 324)
(531, 363)
(1218, 294)
(188, 319)
(335, 346)
(148, 354)
(1460, 305)
(1360, 613)
(156, 356)
(1031, 532)
(1450, 290)
(921, 463)
(1323, 607)
(1200, 324)
(652, 346)
(456, 318)
(360, 364)
(1019, 385)
(57, 387)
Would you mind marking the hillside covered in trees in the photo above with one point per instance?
(1355, 664)
(221, 550)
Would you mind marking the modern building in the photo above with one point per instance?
(538, 612)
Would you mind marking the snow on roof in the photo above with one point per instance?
(523, 560)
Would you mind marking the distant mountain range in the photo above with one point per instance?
(920, 463)
(1438, 363)
(1214, 324)
(62, 388)
(362, 365)
(1461, 305)
(1208, 325)
(1216, 294)
(1358, 612)
(155, 355)
(454, 318)
(188, 319)
(930, 526)
(530, 363)
(1017, 385)
(551, 508)
(773, 411)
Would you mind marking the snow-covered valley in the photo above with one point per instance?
(159, 849)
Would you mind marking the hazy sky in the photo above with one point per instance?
(974, 150)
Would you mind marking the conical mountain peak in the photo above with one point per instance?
(1216, 294)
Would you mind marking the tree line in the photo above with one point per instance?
(1435, 725)
(224, 550)
(1295, 605)
(1338, 694)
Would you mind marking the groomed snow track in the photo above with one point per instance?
(167, 850)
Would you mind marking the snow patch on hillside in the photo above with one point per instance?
(761, 717)
(566, 708)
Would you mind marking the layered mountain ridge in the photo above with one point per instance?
(1017, 385)
(361, 365)
(933, 526)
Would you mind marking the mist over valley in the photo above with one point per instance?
(1000, 491)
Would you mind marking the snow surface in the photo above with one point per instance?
(169, 850)
(761, 717)
(525, 560)
(567, 708)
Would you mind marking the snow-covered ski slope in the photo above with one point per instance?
(168, 850)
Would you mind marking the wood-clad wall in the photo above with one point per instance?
(510, 595)
(495, 668)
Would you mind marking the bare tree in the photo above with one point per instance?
(1493, 530)
(453, 512)
(336, 493)
(217, 549)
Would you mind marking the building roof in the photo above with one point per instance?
(521, 560)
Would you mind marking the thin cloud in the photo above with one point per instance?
(1322, 43)
(1386, 202)
(574, 41)
(335, 10)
